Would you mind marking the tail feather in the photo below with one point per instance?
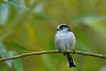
(71, 62)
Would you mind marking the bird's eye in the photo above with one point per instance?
(61, 28)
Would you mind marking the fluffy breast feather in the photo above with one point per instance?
(65, 41)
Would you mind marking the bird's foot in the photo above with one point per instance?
(73, 52)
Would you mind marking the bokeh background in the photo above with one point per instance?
(30, 26)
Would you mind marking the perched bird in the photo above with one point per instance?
(65, 40)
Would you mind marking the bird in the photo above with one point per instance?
(65, 40)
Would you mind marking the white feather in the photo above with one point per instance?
(65, 40)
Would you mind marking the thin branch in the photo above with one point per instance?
(54, 51)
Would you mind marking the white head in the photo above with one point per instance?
(63, 28)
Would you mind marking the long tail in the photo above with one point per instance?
(71, 62)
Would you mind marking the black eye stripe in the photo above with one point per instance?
(63, 26)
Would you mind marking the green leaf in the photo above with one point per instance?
(48, 63)
(81, 40)
(27, 2)
(1, 1)
(16, 4)
(17, 62)
(103, 68)
(95, 22)
(44, 16)
(16, 45)
(3, 53)
(82, 45)
(0, 69)
(3, 13)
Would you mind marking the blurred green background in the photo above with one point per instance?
(30, 26)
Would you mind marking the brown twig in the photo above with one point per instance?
(54, 51)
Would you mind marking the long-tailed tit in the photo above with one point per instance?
(65, 40)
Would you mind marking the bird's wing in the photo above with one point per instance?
(58, 43)
(72, 41)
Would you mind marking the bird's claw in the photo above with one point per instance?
(73, 52)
